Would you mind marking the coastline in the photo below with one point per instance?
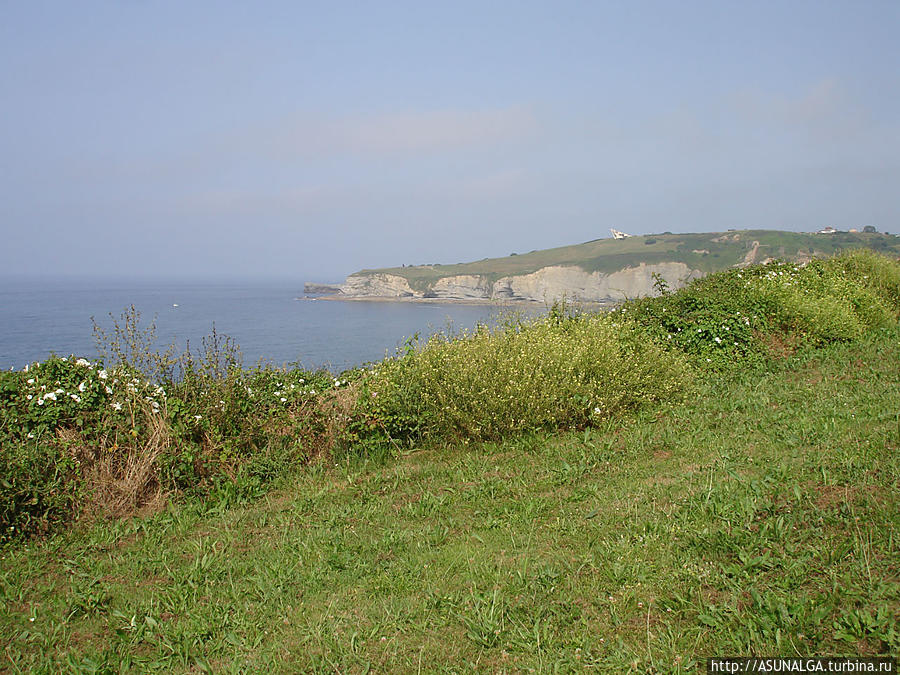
(510, 302)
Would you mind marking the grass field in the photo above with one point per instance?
(760, 517)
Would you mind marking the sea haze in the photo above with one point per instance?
(269, 323)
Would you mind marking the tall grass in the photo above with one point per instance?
(548, 373)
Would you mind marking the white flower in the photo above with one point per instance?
(283, 399)
(30, 380)
(29, 397)
(82, 387)
(597, 410)
(40, 401)
(198, 417)
(102, 374)
(717, 339)
(75, 398)
(30, 435)
(82, 362)
(51, 395)
(108, 390)
(116, 406)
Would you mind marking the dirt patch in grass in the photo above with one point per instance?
(813, 377)
(778, 345)
(831, 496)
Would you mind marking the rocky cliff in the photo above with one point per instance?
(545, 285)
(377, 285)
(603, 270)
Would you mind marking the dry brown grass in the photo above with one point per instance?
(124, 479)
(336, 410)
(779, 345)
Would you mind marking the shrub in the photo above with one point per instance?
(57, 418)
(555, 372)
(873, 271)
(75, 435)
(734, 315)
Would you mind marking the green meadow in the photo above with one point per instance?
(709, 472)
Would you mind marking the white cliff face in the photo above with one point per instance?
(377, 285)
(545, 285)
(464, 286)
(552, 283)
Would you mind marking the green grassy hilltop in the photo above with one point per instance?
(708, 252)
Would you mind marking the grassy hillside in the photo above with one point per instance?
(608, 255)
(759, 518)
(709, 472)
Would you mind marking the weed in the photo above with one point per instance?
(561, 371)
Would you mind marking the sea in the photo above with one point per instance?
(272, 322)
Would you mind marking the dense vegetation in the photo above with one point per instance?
(644, 533)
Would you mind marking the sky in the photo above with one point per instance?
(308, 140)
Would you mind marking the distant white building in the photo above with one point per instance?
(827, 230)
(618, 235)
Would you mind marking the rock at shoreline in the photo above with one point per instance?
(310, 288)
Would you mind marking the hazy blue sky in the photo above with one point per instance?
(308, 140)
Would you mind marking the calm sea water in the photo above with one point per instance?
(267, 320)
